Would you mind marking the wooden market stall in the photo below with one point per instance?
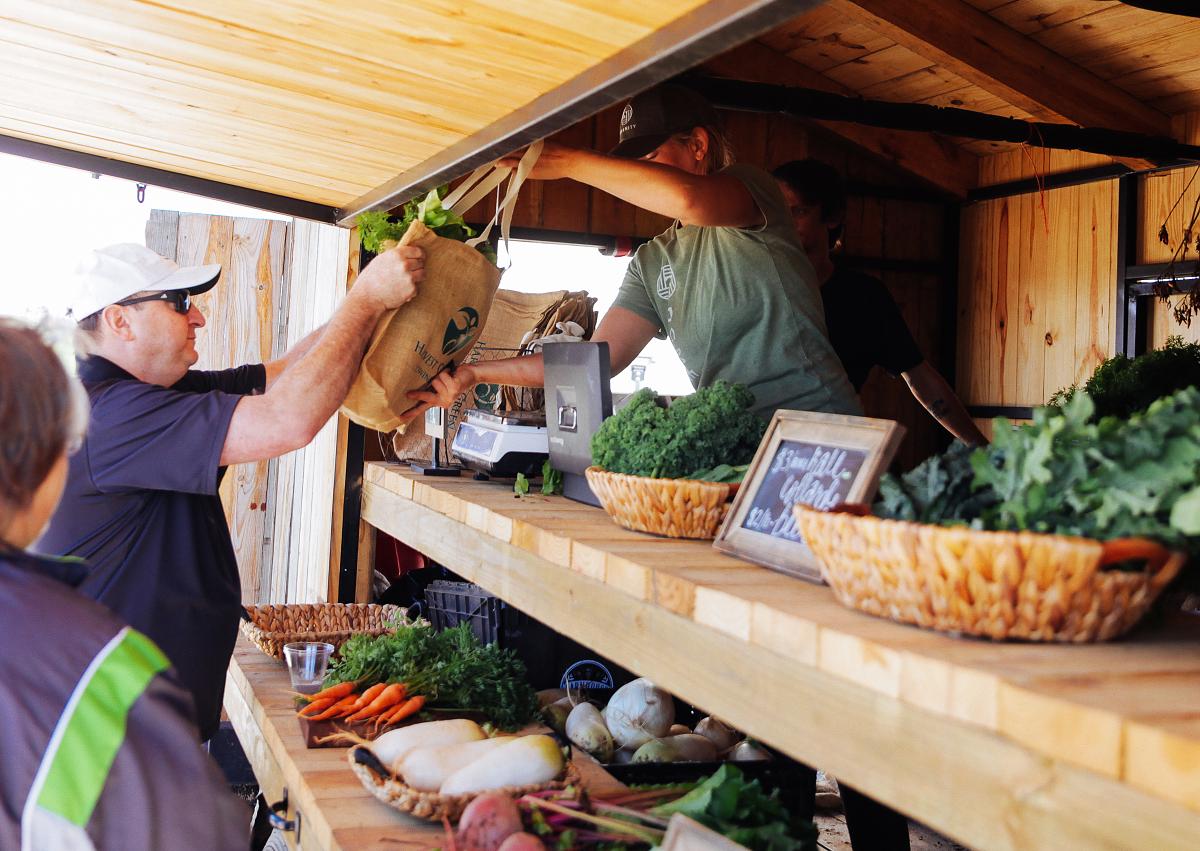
(1018, 267)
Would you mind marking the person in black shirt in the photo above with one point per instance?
(141, 504)
(864, 322)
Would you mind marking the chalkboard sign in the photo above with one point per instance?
(805, 473)
(822, 460)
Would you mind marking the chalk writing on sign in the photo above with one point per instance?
(805, 473)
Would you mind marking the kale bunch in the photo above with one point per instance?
(940, 490)
(1072, 474)
(1122, 386)
(711, 427)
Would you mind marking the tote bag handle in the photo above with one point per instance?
(486, 178)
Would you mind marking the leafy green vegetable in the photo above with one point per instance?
(521, 485)
(451, 668)
(712, 426)
(729, 805)
(722, 473)
(1122, 386)
(377, 228)
(1071, 474)
(939, 490)
(552, 479)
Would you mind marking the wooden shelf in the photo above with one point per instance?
(1000, 746)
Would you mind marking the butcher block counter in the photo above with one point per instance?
(998, 745)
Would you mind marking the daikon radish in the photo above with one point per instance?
(427, 768)
(527, 761)
(393, 745)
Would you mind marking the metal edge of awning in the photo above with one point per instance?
(685, 42)
(282, 204)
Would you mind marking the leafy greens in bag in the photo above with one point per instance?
(378, 231)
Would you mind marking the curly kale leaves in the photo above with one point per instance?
(709, 428)
(730, 805)
(1071, 474)
(376, 227)
(452, 668)
(1122, 386)
(939, 490)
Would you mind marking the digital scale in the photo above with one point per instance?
(502, 444)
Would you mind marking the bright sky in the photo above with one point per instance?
(50, 215)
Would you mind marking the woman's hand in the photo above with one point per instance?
(556, 161)
(444, 389)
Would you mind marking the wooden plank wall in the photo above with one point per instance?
(884, 229)
(1160, 192)
(280, 281)
(302, 482)
(240, 328)
(1037, 277)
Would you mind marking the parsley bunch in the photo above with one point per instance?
(1122, 386)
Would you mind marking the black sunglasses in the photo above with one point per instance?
(181, 300)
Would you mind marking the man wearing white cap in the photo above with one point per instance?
(140, 505)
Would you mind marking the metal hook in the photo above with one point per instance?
(141, 193)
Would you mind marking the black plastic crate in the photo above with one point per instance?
(493, 621)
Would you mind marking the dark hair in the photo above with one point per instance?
(42, 413)
(820, 184)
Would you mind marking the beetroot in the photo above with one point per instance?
(487, 822)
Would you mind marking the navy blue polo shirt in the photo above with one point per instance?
(141, 508)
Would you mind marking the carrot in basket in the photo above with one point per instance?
(337, 692)
(333, 711)
(390, 696)
(317, 706)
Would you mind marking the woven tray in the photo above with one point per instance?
(675, 508)
(1018, 585)
(430, 805)
(271, 627)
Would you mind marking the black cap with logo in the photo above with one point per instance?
(655, 116)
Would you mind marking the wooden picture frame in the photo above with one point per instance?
(814, 458)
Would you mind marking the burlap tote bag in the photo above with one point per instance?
(416, 341)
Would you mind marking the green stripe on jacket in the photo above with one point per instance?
(96, 727)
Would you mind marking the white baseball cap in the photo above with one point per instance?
(108, 275)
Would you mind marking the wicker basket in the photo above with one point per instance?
(1019, 585)
(271, 627)
(676, 508)
(430, 805)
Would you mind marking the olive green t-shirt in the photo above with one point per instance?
(742, 304)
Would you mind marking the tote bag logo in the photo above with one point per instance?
(457, 336)
(666, 282)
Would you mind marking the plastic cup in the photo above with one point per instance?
(306, 661)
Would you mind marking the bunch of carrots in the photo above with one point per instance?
(386, 703)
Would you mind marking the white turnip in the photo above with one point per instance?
(638, 712)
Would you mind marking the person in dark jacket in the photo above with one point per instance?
(141, 504)
(864, 323)
(100, 746)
